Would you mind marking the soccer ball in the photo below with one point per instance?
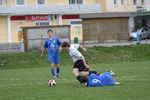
(51, 83)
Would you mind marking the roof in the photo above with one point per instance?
(105, 15)
(144, 13)
(114, 14)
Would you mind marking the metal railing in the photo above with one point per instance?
(11, 47)
(49, 9)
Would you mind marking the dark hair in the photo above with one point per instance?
(84, 79)
(50, 31)
(65, 44)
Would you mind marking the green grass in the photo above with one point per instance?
(31, 84)
(24, 76)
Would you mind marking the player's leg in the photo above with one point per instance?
(82, 69)
(57, 63)
(52, 70)
(76, 74)
(84, 73)
(79, 77)
(57, 70)
(78, 67)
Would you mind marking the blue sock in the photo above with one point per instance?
(57, 70)
(53, 71)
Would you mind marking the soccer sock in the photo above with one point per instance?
(57, 70)
(53, 71)
(79, 78)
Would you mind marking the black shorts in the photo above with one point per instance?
(80, 65)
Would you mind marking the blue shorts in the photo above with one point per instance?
(55, 58)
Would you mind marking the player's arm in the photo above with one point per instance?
(84, 61)
(42, 51)
(44, 48)
(83, 48)
(59, 43)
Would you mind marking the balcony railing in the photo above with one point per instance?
(50, 9)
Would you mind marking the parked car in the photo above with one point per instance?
(143, 32)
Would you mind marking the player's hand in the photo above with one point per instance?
(84, 49)
(60, 49)
(41, 55)
(87, 66)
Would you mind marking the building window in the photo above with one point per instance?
(40, 2)
(72, 1)
(122, 2)
(115, 2)
(135, 2)
(79, 1)
(75, 1)
(1, 2)
(142, 2)
(20, 2)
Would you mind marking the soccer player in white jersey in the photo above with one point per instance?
(80, 64)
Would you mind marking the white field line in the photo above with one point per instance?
(40, 83)
(44, 81)
(15, 79)
(122, 77)
(36, 83)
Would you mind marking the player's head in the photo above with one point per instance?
(84, 80)
(65, 46)
(50, 32)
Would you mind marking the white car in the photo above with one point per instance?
(143, 32)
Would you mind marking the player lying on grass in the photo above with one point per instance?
(104, 79)
(80, 64)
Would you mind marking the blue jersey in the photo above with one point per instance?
(52, 45)
(104, 79)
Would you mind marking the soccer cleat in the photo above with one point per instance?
(57, 75)
(111, 72)
(54, 77)
(117, 83)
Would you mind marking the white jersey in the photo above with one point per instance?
(74, 53)
(76, 46)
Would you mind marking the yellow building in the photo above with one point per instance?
(123, 5)
(21, 13)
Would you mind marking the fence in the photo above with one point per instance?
(36, 36)
(11, 47)
(105, 30)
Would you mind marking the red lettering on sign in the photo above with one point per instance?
(37, 17)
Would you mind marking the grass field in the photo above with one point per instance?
(24, 76)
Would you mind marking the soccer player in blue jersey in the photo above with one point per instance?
(104, 79)
(52, 44)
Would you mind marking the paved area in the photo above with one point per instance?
(110, 44)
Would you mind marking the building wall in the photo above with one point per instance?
(89, 1)
(128, 6)
(105, 29)
(103, 5)
(3, 29)
(59, 2)
(31, 2)
(11, 2)
(15, 26)
(56, 2)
